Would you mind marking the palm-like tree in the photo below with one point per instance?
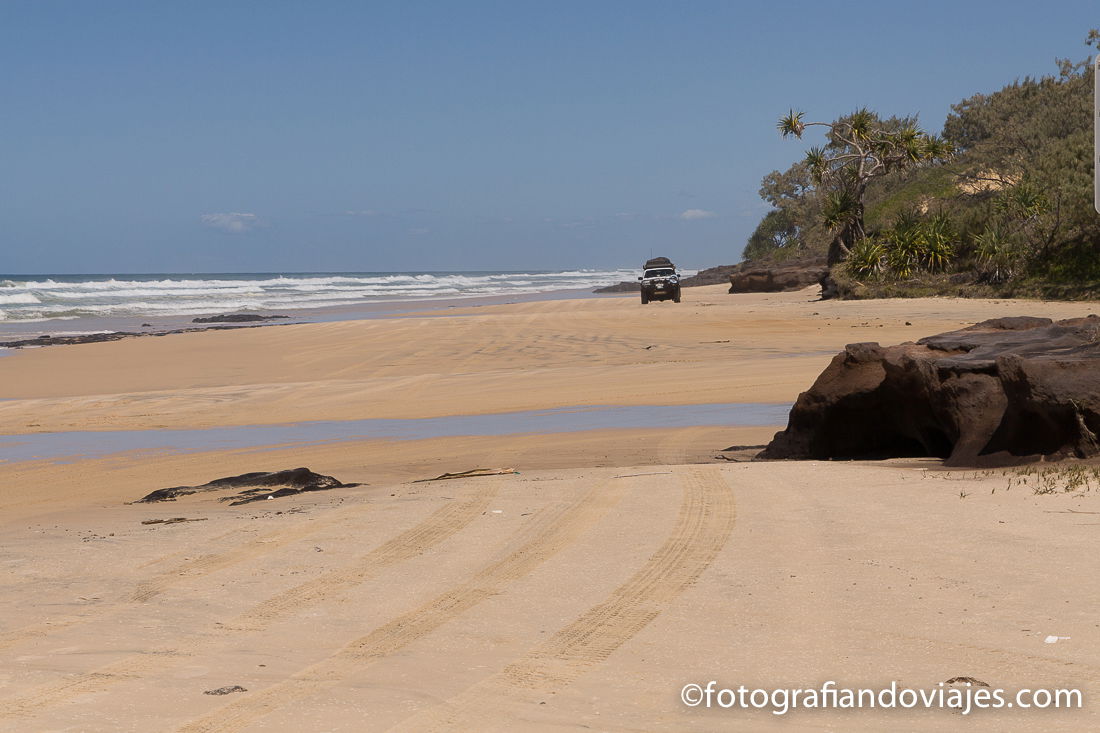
(860, 148)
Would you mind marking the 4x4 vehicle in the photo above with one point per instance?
(660, 281)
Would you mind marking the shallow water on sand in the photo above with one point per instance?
(90, 444)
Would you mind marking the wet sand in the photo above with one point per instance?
(584, 591)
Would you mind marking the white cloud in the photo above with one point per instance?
(233, 222)
(693, 214)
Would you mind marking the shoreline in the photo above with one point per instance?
(84, 304)
(88, 331)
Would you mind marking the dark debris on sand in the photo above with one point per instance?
(257, 486)
(229, 689)
(95, 338)
(236, 318)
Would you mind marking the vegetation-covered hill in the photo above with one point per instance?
(1001, 204)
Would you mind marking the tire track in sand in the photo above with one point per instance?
(215, 561)
(433, 530)
(702, 528)
(442, 524)
(188, 569)
(549, 532)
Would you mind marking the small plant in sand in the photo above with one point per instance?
(1065, 479)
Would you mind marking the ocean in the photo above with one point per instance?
(95, 303)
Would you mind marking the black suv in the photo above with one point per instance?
(660, 281)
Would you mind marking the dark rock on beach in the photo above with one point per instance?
(752, 277)
(93, 338)
(829, 287)
(623, 287)
(258, 485)
(90, 338)
(748, 277)
(235, 318)
(710, 276)
(1002, 392)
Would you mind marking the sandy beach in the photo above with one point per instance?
(584, 591)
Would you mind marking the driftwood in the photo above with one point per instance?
(472, 473)
(632, 475)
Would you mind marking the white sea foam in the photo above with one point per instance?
(18, 299)
(66, 297)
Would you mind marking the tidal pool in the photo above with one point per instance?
(90, 444)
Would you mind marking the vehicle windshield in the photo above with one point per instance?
(663, 272)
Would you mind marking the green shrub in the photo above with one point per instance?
(999, 255)
(866, 259)
(906, 247)
(938, 235)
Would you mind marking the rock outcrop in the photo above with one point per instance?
(747, 277)
(88, 338)
(235, 318)
(710, 276)
(257, 486)
(1001, 392)
(95, 338)
(766, 278)
(623, 287)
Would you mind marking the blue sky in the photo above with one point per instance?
(278, 136)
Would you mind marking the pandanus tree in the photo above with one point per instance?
(859, 148)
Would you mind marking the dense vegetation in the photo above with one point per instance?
(1001, 204)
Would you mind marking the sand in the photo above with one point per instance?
(582, 592)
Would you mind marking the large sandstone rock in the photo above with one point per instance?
(755, 278)
(1001, 392)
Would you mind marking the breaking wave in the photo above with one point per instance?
(57, 297)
